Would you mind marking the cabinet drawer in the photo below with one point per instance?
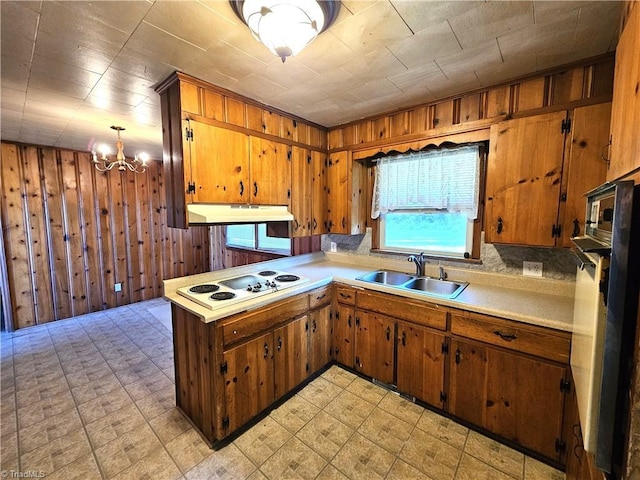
(525, 338)
(320, 297)
(346, 295)
(404, 308)
(245, 325)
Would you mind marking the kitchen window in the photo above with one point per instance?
(254, 237)
(428, 201)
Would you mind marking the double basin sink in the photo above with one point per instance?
(404, 281)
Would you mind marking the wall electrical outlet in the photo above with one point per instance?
(117, 287)
(333, 246)
(532, 269)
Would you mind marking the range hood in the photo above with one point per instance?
(206, 214)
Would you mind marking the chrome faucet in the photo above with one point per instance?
(443, 275)
(420, 261)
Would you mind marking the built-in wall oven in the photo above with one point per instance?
(606, 302)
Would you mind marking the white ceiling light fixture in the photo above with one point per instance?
(103, 164)
(286, 26)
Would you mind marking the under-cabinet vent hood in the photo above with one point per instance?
(201, 213)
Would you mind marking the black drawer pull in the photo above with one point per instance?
(279, 343)
(499, 227)
(241, 188)
(507, 337)
(255, 189)
(321, 296)
(345, 295)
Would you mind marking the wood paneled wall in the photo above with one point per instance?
(71, 233)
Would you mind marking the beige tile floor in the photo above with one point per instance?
(92, 398)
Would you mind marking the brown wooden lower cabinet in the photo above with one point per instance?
(319, 338)
(248, 380)
(421, 363)
(344, 318)
(291, 343)
(374, 342)
(517, 397)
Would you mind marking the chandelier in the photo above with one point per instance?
(286, 26)
(103, 164)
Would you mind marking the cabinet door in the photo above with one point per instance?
(301, 193)
(374, 342)
(248, 380)
(270, 172)
(516, 397)
(343, 330)
(291, 362)
(319, 338)
(420, 363)
(219, 164)
(584, 168)
(524, 172)
(319, 193)
(338, 200)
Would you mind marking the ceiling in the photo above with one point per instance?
(69, 70)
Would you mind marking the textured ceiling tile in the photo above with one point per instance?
(421, 14)
(334, 79)
(12, 99)
(61, 19)
(161, 47)
(545, 11)
(590, 33)
(55, 99)
(229, 60)
(15, 73)
(434, 42)
(222, 8)
(372, 28)
(17, 21)
(357, 6)
(107, 103)
(375, 89)
(190, 21)
(47, 67)
(369, 67)
(255, 83)
(59, 87)
(206, 72)
(74, 53)
(120, 15)
(490, 20)
(470, 58)
(125, 81)
(17, 49)
(47, 109)
(325, 53)
(240, 38)
(429, 73)
(141, 65)
(147, 114)
(496, 74)
(288, 74)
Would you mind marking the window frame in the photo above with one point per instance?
(256, 247)
(376, 224)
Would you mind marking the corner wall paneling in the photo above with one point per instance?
(70, 233)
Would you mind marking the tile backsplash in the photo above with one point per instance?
(558, 264)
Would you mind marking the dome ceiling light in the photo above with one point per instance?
(286, 26)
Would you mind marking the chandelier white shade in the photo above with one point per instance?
(104, 164)
(286, 26)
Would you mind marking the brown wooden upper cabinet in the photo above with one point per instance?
(346, 181)
(308, 192)
(218, 164)
(270, 172)
(625, 118)
(538, 169)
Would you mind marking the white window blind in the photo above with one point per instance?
(444, 179)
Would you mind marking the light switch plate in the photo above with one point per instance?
(333, 246)
(532, 269)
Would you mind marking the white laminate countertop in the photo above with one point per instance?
(546, 303)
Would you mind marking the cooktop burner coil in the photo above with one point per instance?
(287, 278)
(222, 296)
(206, 288)
(267, 273)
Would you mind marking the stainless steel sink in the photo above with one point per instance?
(443, 288)
(386, 277)
(404, 281)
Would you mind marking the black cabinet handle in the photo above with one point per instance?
(357, 321)
(404, 338)
(458, 356)
(507, 337)
(255, 189)
(321, 296)
(499, 227)
(297, 224)
(279, 343)
(315, 224)
(266, 350)
(345, 295)
(388, 333)
(241, 188)
(344, 222)
(576, 228)
(349, 321)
